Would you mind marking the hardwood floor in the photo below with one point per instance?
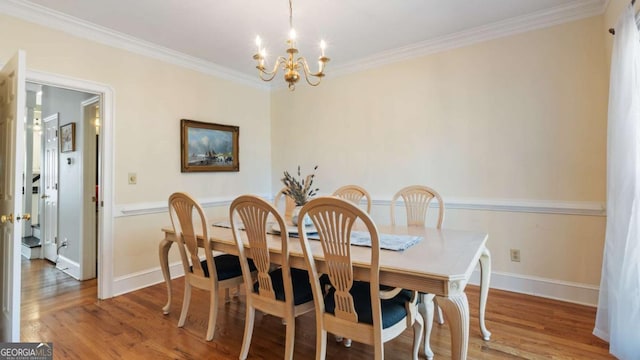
(59, 309)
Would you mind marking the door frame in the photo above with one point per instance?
(106, 170)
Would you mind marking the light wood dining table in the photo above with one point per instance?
(440, 264)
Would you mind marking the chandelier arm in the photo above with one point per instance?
(307, 73)
(271, 74)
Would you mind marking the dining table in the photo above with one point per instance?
(441, 263)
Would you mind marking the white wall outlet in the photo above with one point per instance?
(133, 178)
(515, 255)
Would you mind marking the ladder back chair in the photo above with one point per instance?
(355, 194)
(417, 199)
(284, 292)
(353, 309)
(212, 274)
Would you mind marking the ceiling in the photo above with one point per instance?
(222, 32)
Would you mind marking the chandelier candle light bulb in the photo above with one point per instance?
(289, 63)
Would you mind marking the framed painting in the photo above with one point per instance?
(208, 147)
(68, 137)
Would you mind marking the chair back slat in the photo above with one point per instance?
(254, 219)
(254, 213)
(334, 219)
(185, 213)
(354, 194)
(417, 199)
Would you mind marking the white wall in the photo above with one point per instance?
(516, 120)
(151, 96)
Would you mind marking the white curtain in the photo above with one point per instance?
(618, 317)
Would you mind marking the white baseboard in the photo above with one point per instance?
(578, 293)
(572, 292)
(143, 279)
(68, 266)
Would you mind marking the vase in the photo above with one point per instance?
(295, 217)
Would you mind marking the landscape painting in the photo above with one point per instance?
(208, 147)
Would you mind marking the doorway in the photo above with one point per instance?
(66, 220)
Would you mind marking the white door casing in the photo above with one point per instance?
(12, 115)
(49, 183)
(106, 282)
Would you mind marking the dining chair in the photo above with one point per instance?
(355, 194)
(289, 205)
(417, 199)
(213, 273)
(284, 292)
(353, 309)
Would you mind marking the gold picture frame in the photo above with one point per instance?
(208, 147)
(68, 137)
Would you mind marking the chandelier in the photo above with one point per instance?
(291, 65)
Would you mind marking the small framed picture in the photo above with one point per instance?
(208, 147)
(68, 137)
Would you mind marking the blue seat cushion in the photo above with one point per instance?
(393, 310)
(302, 292)
(227, 266)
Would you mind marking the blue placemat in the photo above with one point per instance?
(387, 241)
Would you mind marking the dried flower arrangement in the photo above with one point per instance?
(299, 189)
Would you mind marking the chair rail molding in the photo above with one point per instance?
(585, 208)
(136, 209)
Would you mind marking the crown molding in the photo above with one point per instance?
(578, 9)
(40, 15)
(56, 20)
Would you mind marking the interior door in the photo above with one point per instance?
(12, 114)
(49, 225)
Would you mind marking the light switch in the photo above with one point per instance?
(133, 178)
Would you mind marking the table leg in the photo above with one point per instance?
(165, 245)
(456, 310)
(485, 278)
(426, 309)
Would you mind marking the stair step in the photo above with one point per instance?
(31, 242)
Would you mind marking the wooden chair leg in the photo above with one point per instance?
(248, 331)
(185, 303)
(290, 338)
(213, 314)
(321, 342)
(378, 350)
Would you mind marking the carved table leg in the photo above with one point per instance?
(165, 245)
(456, 310)
(485, 278)
(426, 309)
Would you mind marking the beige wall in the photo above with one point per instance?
(520, 117)
(150, 99)
(517, 118)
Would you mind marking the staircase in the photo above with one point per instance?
(31, 245)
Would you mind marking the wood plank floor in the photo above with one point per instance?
(58, 309)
